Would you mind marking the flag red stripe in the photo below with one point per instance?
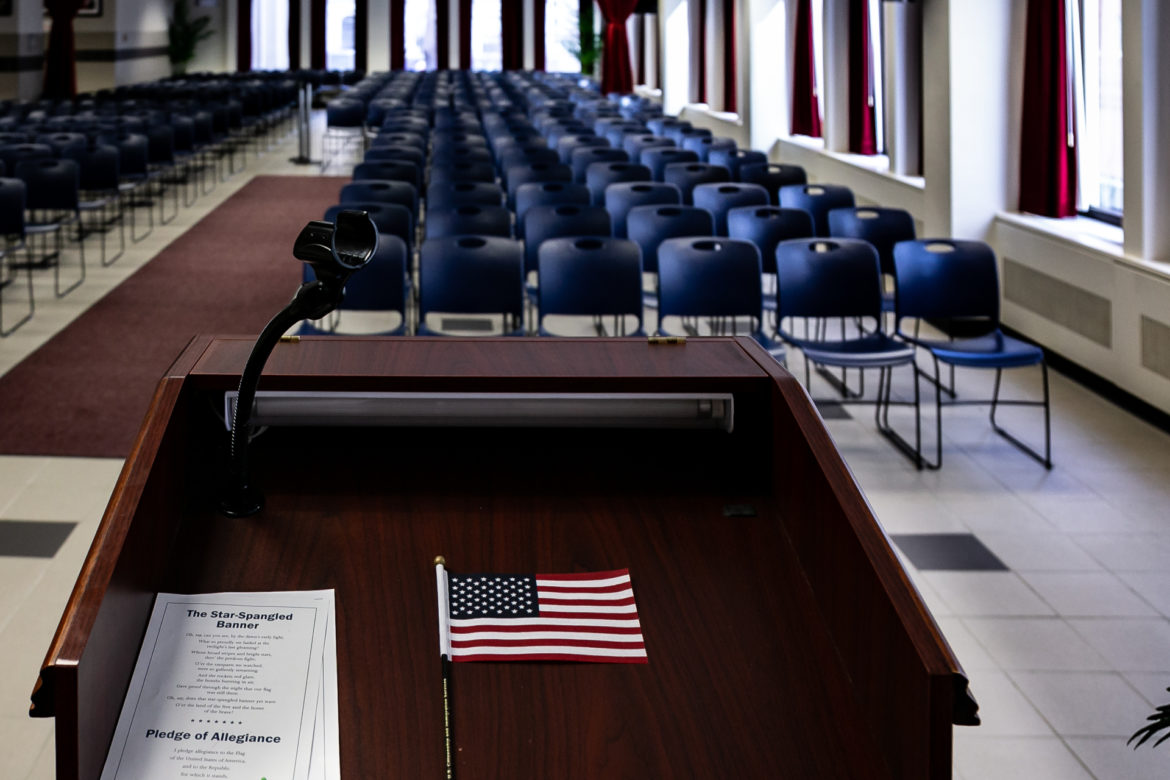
(592, 575)
(620, 586)
(510, 628)
(554, 657)
(546, 642)
(567, 602)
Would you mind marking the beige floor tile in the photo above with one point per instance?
(1117, 710)
(1016, 758)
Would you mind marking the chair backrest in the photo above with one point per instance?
(772, 176)
(584, 156)
(659, 125)
(656, 158)
(720, 198)
(527, 155)
(98, 167)
(635, 143)
(733, 159)
(600, 175)
(649, 226)
(463, 171)
(398, 152)
(345, 112)
(466, 153)
(443, 194)
(621, 198)
(381, 190)
(13, 198)
(516, 175)
(160, 144)
(709, 277)
(819, 277)
(52, 184)
(548, 193)
(590, 276)
(398, 170)
(381, 284)
(702, 145)
(400, 138)
(469, 220)
(946, 279)
(567, 144)
(767, 226)
(882, 227)
(471, 275)
(818, 200)
(544, 222)
(62, 142)
(679, 133)
(14, 154)
(389, 218)
(687, 176)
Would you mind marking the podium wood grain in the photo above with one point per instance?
(785, 644)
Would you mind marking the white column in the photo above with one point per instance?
(1146, 123)
(902, 76)
(768, 89)
(835, 100)
(676, 65)
(377, 36)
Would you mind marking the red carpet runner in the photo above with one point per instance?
(86, 391)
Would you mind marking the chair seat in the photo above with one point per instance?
(995, 350)
(876, 350)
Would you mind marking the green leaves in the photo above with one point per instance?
(1159, 721)
(184, 33)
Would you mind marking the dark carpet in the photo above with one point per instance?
(85, 392)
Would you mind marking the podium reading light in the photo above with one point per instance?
(335, 252)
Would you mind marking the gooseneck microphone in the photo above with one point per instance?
(335, 251)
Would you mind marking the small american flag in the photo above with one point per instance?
(545, 617)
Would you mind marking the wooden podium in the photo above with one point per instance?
(784, 638)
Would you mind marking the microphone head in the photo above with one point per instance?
(336, 250)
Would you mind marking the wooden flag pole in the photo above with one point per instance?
(445, 663)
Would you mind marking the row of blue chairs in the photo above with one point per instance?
(545, 175)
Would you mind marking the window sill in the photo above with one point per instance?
(873, 163)
(1086, 233)
(706, 110)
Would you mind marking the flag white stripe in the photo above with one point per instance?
(617, 595)
(624, 609)
(610, 652)
(544, 622)
(600, 583)
(583, 636)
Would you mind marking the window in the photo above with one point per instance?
(1097, 84)
(339, 51)
(486, 34)
(270, 34)
(562, 37)
(422, 50)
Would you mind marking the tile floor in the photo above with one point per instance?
(1068, 648)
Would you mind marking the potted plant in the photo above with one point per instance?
(587, 47)
(184, 33)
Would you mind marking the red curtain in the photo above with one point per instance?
(862, 130)
(464, 34)
(443, 34)
(244, 35)
(538, 35)
(730, 83)
(616, 75)
(698, 36)
(806, 110)
(60, 62)
(294, 34)
(317, 34)
(512, 34)
(361, 35)
(1048, 154)
(397, 34)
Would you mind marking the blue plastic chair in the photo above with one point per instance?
(601, 175)
(767, 226)
(656, 158)
(527, 155)
(463, 171)
(396, 170)
(955, 286)
(687, 176)
(717, 279)
(567, 144)
(772, 176)
(733, 159)
(702, 145)
(659, 125)
(620, 198)
(12, 205)
(680, 133)
(636, 143)
(818, 200)
(522, 174)
(882, 227)
(721, 198)
(584, 156)
(544, 222)
(442, 194)
(817, 280)
(548, 193)
(469, 220)
(648, 226)
(387, 138)
(461, 153)
(405, 152)
(477, 275)
(382, 191)
(380, 286)
(53, 200)
(596, 277)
